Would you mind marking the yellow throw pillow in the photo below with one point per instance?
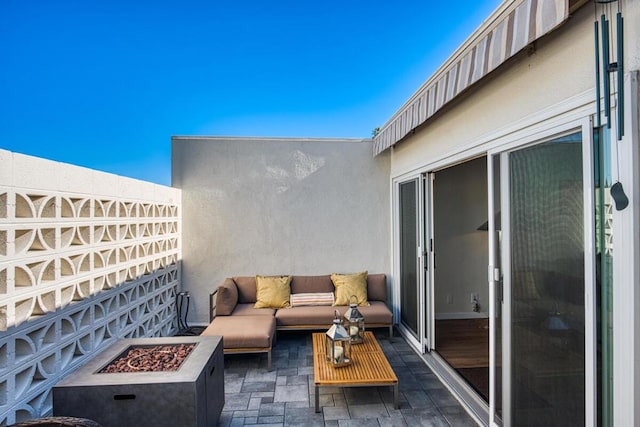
(350, 284)
(272, 291)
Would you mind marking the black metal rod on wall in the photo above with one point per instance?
(597, 43)
(620, 69)
(606, 78)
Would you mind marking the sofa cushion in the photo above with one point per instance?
(377, 312)
(377, 287)
(350, 285)
(243, 332)
(320, 315)
(227, 298)
(273, 291)
(301, 284)
(249, 310)
(246, 288)
(311, 298)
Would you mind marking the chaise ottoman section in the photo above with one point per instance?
(244, 334)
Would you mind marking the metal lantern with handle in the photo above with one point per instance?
(355, 322)
(338, 344)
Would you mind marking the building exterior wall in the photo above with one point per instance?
(279, 206)
(86, 258)
(549, 87)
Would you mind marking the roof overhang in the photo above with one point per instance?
(511, 28)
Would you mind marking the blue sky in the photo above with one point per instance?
(105, 84)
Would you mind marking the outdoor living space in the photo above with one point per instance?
(285, 395)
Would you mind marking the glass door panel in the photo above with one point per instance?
(546, 336)
(409, 253)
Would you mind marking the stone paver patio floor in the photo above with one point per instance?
(285, 395)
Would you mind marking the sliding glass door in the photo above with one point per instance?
(540, 286)
(412, 258)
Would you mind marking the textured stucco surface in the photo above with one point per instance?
(279, 206)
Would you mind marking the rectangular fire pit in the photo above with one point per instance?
(173, 381)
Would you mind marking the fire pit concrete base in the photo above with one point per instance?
(191, 396)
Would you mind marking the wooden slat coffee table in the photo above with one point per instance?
(369, 367)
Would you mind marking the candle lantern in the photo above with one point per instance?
(338, 344)
(355, 322)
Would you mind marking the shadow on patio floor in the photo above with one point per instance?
(285, 395)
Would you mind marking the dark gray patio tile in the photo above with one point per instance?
(374, 410)
(248, 421)
(233, 384)
(254, 403)
(339, 399)
(325, 400)
(424, 417)
(237, 422)
(260, 376)
(297, 379)
(442, 397)
(292, 405)
(331, 423)
(270, 409)
(362, 395)
(245, 414)
(291, 393)
(263, 394)
(418, 399)
(362, 422)
(285, 372)
(457, 416)
(271, 420)
(304, 417)
(330, 390)
(236, 401)
(431, 383)
(335, 413)
(308, 370)
(249, 387)
(394, 421)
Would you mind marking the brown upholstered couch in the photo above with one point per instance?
(246, 329)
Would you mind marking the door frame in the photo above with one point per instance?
(584, 126)
(421, 338)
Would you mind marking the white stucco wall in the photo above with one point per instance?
(279, 206)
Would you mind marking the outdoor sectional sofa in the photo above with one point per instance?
(246, 329)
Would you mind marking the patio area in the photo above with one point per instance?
(285, 395)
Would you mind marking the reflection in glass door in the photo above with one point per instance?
(544, 283)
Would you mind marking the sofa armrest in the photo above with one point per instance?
(226, 298)
(213, 296)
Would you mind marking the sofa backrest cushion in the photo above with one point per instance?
(246, 289)
(377, 287)
(305, 284)
(227, 298)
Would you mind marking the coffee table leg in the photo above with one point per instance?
(395, 396)
(317, 399)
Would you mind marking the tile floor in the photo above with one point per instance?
(285, 396)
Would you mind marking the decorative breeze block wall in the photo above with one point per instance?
(85, 258)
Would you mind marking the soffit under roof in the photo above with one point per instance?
(514, 26)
